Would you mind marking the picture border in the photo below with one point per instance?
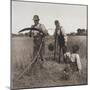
(11, 82)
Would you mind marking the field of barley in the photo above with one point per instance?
(50, 75)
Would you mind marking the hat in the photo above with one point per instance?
(56, 21)
(36, 17)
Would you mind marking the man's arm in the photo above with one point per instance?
(30, 32)
(44, 30)
(78, 63)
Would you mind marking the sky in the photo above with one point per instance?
(71, 17)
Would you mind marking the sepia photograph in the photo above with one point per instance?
(49, 44)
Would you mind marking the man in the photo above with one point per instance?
(60, 40)
(38, 37)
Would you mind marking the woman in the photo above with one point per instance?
(60, 40)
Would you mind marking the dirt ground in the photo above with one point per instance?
(47, 73)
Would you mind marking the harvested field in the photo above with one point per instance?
(52, 72)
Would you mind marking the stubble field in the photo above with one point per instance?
(50, 75)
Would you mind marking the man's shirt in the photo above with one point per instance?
(40, 27)
(63, 33)
(76, 58)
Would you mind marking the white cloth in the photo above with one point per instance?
(76, 58)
